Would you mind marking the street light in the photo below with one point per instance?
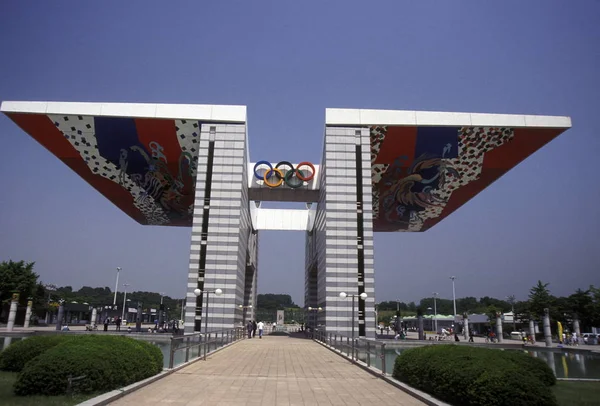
(161, 310)
(49, 287)
(435, 310)
(429, 310)
(198, 292)
(314, 311)
(362, 296)
(244, 313)
(511, 300)
(116, 286)
(453, 295)
(124, 300)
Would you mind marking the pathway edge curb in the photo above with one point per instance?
(417, 394)
(108, 397)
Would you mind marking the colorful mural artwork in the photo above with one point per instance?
(147, 167)
(422, 174)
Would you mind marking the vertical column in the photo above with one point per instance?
(221, 227)
(28, 313)
(12, 312)
(499, 327)
(348, 258)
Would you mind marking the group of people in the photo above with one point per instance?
(570, 339)
(116, 320)
(252, 326)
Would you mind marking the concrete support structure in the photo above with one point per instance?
(420, 324)
(547, 333)
(576, 328)
(138, 318)
(60, 316)
(94, 318)
(499, 327)
(224, 243)
(28, 314)
(340, 246)
(12, 313)
(531, 328)
(466, 333)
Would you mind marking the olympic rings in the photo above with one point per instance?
(284, 173)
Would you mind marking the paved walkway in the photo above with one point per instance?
(275, 370)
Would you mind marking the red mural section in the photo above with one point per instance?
(146, 167)
(421, 175)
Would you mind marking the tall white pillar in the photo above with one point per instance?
(94, 316)
(59, 318)
(576, 328)
(28, 313)
(499, 327)
(547, 333)
(12, 314)
(466, 326)
(531, 328)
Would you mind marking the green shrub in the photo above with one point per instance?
(18, 354)
(532, 366)
(463, 375)
(104, 362)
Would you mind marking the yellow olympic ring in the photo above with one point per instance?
(268, 174)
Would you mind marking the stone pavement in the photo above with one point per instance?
(274, 370)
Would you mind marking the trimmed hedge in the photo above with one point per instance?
(104, 362)
(462, 375)
(18, 354)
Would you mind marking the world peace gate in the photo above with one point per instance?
(189, 166)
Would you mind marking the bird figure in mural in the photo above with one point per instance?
(403, 189)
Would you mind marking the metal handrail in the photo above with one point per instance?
(204, 342)
(352, 348)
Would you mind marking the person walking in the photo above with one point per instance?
(250, 327)
(261, 327)
(254, 327)
(106, 324)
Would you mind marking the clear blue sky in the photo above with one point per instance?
(288, 61)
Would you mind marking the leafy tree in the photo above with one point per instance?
(539, 299)
(582, 304)
(17, 277)
(271, 301)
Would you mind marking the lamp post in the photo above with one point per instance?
(161, 310)
(511, 299)
(453, 295)
(116, 286)
(435, 294)
(124, 300)
(314, 311)
(429, 310)
(198, 292)
(244, 313)
(362, 296)
(49, 287)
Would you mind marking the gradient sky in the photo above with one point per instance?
(288, 61)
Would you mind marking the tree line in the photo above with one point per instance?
(19, 277)
(583, 304)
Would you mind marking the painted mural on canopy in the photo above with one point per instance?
(145, 166)
(422, 174)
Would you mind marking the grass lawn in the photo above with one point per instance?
(577, 393)
(10, 399)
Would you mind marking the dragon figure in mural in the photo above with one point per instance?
(412, 193)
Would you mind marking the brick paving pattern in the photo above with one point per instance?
(274, 370)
